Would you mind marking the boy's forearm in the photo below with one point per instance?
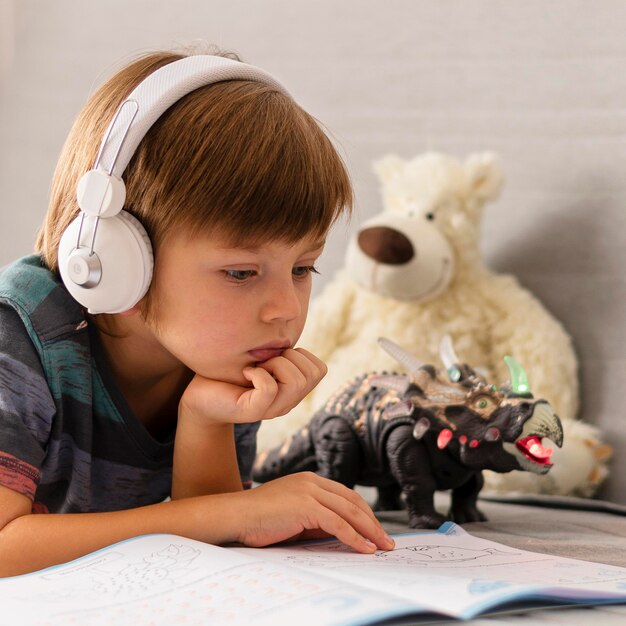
(205, 460)
(36, 541)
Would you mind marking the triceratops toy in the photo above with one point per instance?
(414, 434)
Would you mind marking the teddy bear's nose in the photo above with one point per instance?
(386, 245)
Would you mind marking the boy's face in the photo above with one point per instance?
(218, 309)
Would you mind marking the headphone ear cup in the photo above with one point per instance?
(125, 257)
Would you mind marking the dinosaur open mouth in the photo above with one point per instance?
(532, 448)
(529, 450)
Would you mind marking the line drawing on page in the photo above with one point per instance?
(103, 578)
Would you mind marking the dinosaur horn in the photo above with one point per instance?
(519, 379)
(403, 357)
(449, 358)
(391, 382)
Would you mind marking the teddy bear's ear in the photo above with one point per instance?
(484, 176)
(388, 167)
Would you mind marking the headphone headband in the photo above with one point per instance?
(155, 94)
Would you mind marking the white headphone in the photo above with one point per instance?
(115, 275)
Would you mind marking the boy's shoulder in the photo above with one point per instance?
(26, 280)
(39, 297)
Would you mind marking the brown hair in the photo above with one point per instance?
(236, 157)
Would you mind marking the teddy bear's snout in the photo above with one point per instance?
(386, 245)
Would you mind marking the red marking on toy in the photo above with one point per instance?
(473, 443)
(444, 438)
(463, 439)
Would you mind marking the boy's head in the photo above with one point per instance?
(236, 158)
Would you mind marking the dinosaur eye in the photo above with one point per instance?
(484, 403)
(430, 216)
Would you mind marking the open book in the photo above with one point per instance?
(166, 579)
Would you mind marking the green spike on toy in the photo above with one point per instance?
(519, 380)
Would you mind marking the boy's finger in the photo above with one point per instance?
(351, 496)
(255, 402)
(358, 519)
(345, 492)
(283, 369)
(336, 525)
(313, 359)
(312, 368)
(288, 377)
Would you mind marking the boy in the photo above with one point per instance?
(102, 416)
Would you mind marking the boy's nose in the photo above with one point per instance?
(282, 303)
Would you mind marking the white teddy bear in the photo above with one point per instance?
(414, 273)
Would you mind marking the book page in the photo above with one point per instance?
(165, 579)
(450, 571)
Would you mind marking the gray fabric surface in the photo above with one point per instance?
(598, 536)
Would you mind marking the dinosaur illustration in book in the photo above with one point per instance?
(411, 435)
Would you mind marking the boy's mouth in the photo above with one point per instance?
(269, 350)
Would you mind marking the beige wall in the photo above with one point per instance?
(542, 83)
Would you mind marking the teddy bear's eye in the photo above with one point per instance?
(430, 216)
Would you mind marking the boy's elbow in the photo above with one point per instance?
(15, 550)
(13, 506)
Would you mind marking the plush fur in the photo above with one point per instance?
(435, 203)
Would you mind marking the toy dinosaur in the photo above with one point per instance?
(411, 435)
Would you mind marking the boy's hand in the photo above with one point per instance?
(305, 505)
(277, 385)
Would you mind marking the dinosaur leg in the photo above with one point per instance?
(463, 508)
(410, 466)
(389, 498)
(338, 452)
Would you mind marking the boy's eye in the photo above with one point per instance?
(301, 271)
(239, 275)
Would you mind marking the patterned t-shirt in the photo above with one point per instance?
(68, 439)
